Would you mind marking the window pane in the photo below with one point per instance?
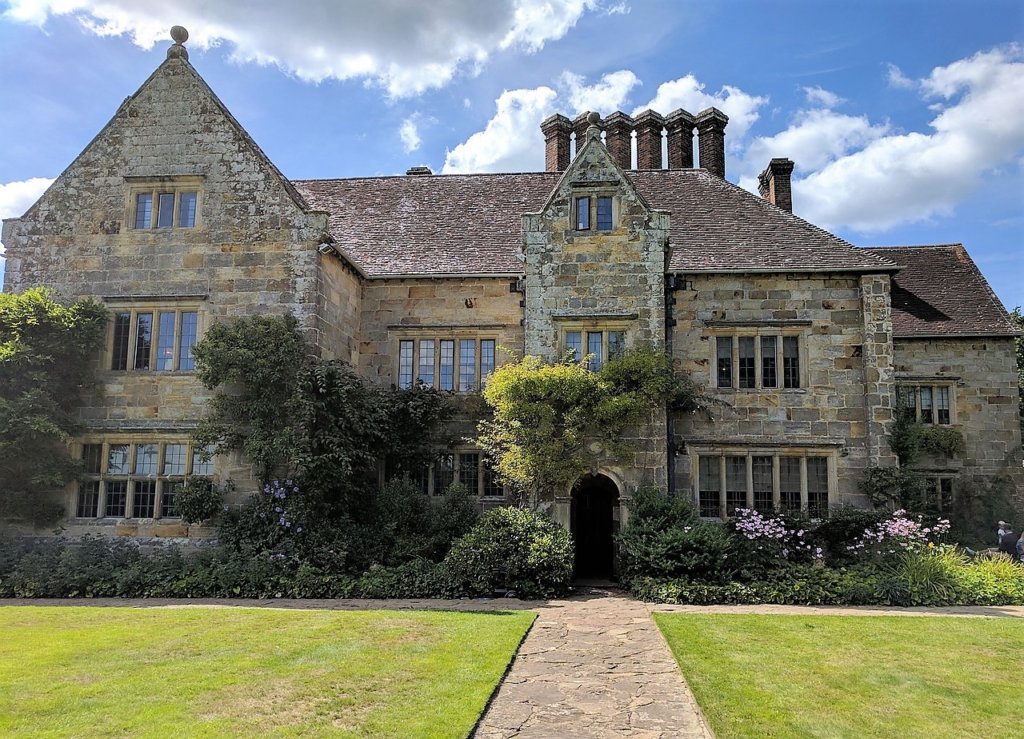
(448, 365)
(117, 459)
(945, 493)
(405, 364)
(710, 486)
(144, 210)
(926, 405)
(186, 209)
(762, 469)
(790, 361)
(942, 405)
(145, 459)
(168, 501)
(144, 499)
(595, 340)
(165, 210)
(426, 365)
(486, 357)
(574, 343)
(201, 466)
(724, 353)
(174, 459)
(769, 369)
(88, 499)
(444, 473)
(746, 361)
(165, 342)
(92, 458)
(582, 214)
(117, 498)
(469, 471)
(789, 483)
(735, 484)
(143, 339)
(817, 487)
(616, 344)
(189, 330)
(908, 400)
(467, 365)
(604, 214)
(122, 327)
(492, 488)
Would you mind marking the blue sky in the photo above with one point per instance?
(905, 119)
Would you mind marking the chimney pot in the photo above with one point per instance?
(775, 183)
(711, 131)
(679, 124)
(556, 130)
(648, 140)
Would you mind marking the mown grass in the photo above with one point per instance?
(852, 676)
(158, 672)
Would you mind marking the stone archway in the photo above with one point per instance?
(594, 523)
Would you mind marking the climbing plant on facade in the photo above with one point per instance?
(550, 421)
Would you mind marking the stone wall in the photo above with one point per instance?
(829, 413)
(982, 374)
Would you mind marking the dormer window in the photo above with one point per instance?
(594, 211)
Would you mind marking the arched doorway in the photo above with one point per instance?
(595, 500)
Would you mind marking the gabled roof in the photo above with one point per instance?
(471, 224)
(939, 291)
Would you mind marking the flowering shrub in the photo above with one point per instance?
(899, 533)
(273, 520)
(772, 540)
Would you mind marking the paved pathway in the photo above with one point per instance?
(595, 666)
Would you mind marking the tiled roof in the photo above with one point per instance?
(940, 292)
(471, 224)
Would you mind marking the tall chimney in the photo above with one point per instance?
(618, 137)
(648, 140)
(556, 130)
(579, 127)
(711, 131)
(680, 139)
(775, 184)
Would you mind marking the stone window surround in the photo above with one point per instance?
(941, 490)
(904, 382)
(593, 191)
(429, 478)
(157, 185)
(780, 329)
(101, 478)
(830, 454)
(437, 334)
(599, 324)
(154, 304)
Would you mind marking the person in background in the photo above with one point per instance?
(1008, 542)
(1003, 527)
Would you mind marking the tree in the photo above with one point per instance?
(551, 420)
(46, 365)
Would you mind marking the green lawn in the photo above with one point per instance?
(80, 671)
(853, 676)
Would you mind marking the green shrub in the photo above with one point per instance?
(843, 527)
(797, 585)
(926, 578)
(199, 499)
(992, 581)
(511, 548)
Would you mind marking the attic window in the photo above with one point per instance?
(582, 214)
(594, 210)
(164, 205)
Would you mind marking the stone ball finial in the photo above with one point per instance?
(179, 34)
(593, 118)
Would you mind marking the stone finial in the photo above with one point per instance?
(593, 130)
(177, 50)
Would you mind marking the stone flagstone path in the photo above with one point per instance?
(593, 667)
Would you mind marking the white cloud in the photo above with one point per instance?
(511, 141)
(915, 176)
(405, 46)
(687, 93)
(898, 79)
(822, 97)
(409, 134)
(607, 96)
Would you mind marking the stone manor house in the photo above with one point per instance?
(174, 218)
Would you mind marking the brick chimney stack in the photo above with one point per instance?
(648, 140)
(775, 184)
(711, 131)
(680, 125)
(618, 137)
(556, 130)
(579, 127)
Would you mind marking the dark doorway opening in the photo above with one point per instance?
(595, 501)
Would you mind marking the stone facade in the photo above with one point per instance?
(790, 329)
